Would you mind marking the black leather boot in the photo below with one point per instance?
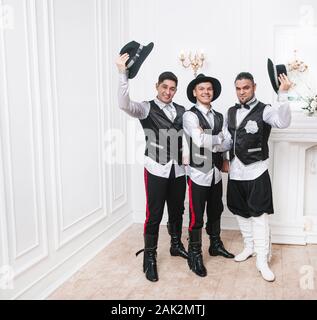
(149, 257)
(177, 247)
(216, 245)
(195, 258)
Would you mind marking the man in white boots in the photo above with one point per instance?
(249, 193)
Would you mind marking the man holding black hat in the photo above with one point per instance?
(249, 193)
(203, 130)
(164, 174)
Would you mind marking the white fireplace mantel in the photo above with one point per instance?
(302, 129)
(293, 160)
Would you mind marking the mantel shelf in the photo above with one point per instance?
(302, 129)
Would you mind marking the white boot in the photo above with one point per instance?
(261, 237)
(264, 269)
(246, 230)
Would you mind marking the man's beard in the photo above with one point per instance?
(246, 101)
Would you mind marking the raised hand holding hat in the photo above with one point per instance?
(275, 72)
(137, 53)
(121, 62)
(285, 83)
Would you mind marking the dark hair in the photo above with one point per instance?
(167, 75)
(244, 75)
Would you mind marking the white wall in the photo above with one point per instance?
(236, 35)
(60, 202)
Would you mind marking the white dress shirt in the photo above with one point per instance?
(278, 116)
(201, 139)
(140, 110)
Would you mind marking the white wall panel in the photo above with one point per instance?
(116, 133)
(3, 221)
(22, 142)
(60, 204)
(76, 114)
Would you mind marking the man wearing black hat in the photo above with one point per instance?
(203, 130)
(249, 193)
(164, 174)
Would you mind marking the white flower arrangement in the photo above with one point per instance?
(297, 65)
(305, 95)
(310, 106)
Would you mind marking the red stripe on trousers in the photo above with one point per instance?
(191, 206)
(147, 199)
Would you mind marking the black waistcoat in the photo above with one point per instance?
(250, 139)
(163, 137)
(202, 158)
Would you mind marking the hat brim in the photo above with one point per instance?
(137, 65)
(274, 72)
(216, 85)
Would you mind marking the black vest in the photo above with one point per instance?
(163, 137)
(202, 158)
(250, 139)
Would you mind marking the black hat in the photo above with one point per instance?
(216, 85)
(274, 72)
(138, 54)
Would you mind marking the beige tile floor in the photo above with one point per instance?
(116, 273)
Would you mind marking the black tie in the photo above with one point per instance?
(239, 106)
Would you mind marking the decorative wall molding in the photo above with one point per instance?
(35, 103)
(4, 256)
(115, 14)
(63, 240)
(23, 259)
(52, 83)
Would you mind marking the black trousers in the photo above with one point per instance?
(250, 198)
(199, 197)
(158, 191)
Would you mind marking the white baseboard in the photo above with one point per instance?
(288, 239)
(52, 279)
(284, 233)
(229, 222)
